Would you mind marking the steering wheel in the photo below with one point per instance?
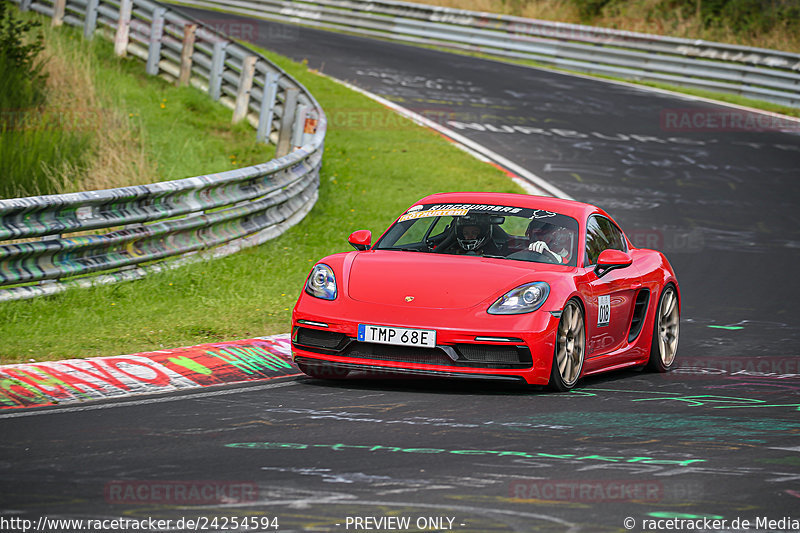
(547, 257)
(530, 255)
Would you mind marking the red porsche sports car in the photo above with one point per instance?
(490, 285)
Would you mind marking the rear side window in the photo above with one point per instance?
(602, 234)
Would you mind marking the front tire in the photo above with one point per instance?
(570, 349)
(664, 345)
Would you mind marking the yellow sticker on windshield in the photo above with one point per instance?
(433, 213)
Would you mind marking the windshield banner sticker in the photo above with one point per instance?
(456, 210)
(480, 207)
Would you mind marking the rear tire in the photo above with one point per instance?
(570, 349)
(323, 372)
(666, 329)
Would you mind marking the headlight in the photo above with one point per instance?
(523, 299)
(322, 283)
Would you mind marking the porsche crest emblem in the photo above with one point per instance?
(409, 298)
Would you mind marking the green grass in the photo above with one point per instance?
(375, 165)
(30, 149)
(32, 137)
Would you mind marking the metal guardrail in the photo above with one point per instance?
(762, 74)
(135, 229)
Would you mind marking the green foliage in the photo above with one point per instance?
(21, 77)
(33, 140)
(751, 16)
(589, 9)
(514, 7)
(741, 17)
(34, 149)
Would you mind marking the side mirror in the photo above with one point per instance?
(360, 239)
(609, 260)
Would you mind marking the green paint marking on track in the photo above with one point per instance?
(730, 328)
(670, 514)
(192, 365)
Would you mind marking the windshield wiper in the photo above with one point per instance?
(402, 248)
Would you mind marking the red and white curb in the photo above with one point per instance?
(78, 380)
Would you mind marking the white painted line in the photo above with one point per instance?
(146, 401)
(795, 449)
(532, 183)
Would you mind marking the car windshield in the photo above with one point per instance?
(507, 232)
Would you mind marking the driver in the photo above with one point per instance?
(547, 238)
(474, 236)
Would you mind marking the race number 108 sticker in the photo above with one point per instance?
(603, 310)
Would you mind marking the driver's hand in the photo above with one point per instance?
(541, 247)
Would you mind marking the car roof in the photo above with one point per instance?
(577, 210)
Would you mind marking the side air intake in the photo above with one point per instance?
(639, 312)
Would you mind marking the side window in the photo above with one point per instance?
(602, 234)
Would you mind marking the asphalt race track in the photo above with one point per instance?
(713, 442)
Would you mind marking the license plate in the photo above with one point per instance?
(399, 336)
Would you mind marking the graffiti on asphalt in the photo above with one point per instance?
(694, 400)
(498, 453)
(36, 384)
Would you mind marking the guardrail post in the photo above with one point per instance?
(123, 28)
(287, 121)
(58, 12)
(90, 22)
(298, 128)
(25, 5)
(245, 84)
(217, 68)
(189, 31)
(267, 110)
(156, 34)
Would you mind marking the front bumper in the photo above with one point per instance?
(474, 344)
